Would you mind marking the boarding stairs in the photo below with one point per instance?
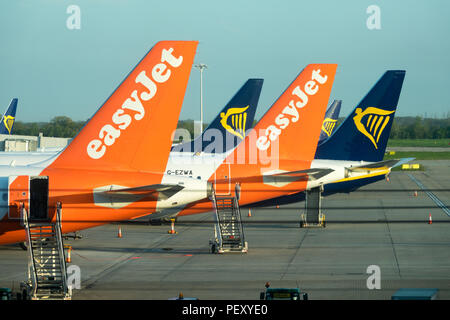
(313, 216)
(47, 275)
(228, 230)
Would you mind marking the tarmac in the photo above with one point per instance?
(419, 149)
(383, 224)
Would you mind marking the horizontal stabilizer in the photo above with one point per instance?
(285, 176)
(116, 196)
(165, 190)
(381, 165)
(402, 161)
(313, 174)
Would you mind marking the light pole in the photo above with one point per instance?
(201, 67)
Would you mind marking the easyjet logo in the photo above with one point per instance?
(290, 112)
(132, 108)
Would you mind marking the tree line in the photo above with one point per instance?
(420, 128)
(402, 128)
(60, 126)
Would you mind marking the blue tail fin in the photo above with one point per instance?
(228, 129)
(364, 133)
(8, 118)
(330, 121)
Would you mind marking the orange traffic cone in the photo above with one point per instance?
(68, 259)
(430, 221)
(119, 234)
(415, 193)
(387, 178)
(172, 227)
(278, 207)
(249, 212)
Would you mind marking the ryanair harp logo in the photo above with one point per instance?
(373, 125)
(328, 126)
(234, 121)
(8, 121)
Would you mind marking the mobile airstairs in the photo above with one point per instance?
(47, 275)
(228, 229)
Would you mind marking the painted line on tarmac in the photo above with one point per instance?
(431, 195)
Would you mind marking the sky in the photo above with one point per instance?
(55, 70)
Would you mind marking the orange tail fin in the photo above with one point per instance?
(133, 128)
(290, 129)
(294, 120)
(284, 140)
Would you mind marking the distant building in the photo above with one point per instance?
(17, 143)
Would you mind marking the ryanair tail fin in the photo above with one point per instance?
(133, 129)
(229, 128)
(8, 118)
(330, 121)
(365, 132)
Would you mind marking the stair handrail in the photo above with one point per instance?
(31, 264)
(218, 233)
(239, 217)
(62, 257)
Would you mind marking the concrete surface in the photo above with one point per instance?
(382, 224)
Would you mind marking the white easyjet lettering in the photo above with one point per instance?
(108, 134)
(292, 111)
(272, 132)
(167, 56)
(282, 121)
(311, 88)
(96, 149)
(149, 84)
(157, 73)
(262, 143)
(121, 119)
(316, 76)
(303, 97)
(135, 104)
(300, 100)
